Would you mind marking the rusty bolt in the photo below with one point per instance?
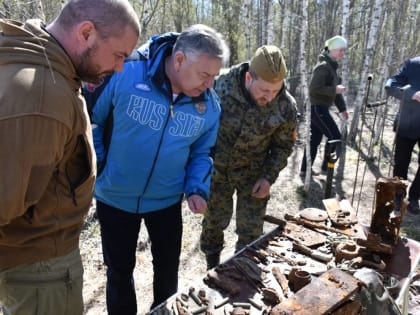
(191, 293)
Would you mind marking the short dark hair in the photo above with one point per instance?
(201, 39)
(110, 17)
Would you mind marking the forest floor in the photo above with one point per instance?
(355, 176)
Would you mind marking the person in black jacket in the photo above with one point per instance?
(325, 89)
(405, 85)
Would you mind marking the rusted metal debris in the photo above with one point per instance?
(375, 244)
(261, 278)
(220, 281)
(313, 214)
(282, 280)
(341, 213)
(270, 296)
(304, 235)
(390, 208)
(321, 296)
(298, 279)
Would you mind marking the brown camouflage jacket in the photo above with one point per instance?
(251, 136)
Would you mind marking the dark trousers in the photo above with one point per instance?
(403, 150)
(321, 124)
(119, 233)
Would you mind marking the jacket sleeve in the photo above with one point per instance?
(200, 164)
(282, 144)
(340, 103)
(321, 84)
(32, 145)
(396, 82)
(100, 113)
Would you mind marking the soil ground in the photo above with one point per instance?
(355, 176)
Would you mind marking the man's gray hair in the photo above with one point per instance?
(201, 39)
(110, 17)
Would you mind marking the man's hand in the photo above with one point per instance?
(416, 96)
(344, 115)
(340, 89)
(261, 188)
(197, 204)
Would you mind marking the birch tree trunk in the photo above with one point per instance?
(304, 91)
(231, 15)
(384, 70)
(248, 28)
(372, 37)
(285, 24)
(344, 76)
(270, 24)
(344, 33)
(404, 35)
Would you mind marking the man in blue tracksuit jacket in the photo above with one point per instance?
(165, 122)
(405, 85)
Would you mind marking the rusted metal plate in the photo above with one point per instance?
(341, 212)
(343, 217)
(313, 214)
(303, 235)
(321, 296)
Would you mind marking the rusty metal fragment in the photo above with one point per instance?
(282, 280)
(341, 213)
(321, 296)
(270, 296)
(349, 308)
(303, 235)
(389, 209)
(313, 214)
(375, 244)
(214, 279)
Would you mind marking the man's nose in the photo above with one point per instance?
(269, 96)
(209, 83)
(119, 65)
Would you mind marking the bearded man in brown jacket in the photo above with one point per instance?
(47, 162)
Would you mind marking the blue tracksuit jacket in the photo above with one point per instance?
(159, 149)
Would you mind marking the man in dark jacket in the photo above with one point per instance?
(256, 136)
(405, 85)
(47, 161)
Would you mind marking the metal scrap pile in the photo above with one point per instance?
(304, 266)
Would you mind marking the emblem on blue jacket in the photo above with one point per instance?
(201, 108)
(142, 87)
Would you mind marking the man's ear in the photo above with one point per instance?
(248, 77)
(179, 58)
(86, 34)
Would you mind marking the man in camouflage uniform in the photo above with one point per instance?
(256, 136)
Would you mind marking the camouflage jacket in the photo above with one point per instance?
(251, 136)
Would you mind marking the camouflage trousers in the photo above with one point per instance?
(249, 210)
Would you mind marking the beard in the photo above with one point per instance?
(87, 69)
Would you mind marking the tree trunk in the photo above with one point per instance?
(372, 38)
(304, 91)
(247, 30)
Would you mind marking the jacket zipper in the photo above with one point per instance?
(156, 155)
